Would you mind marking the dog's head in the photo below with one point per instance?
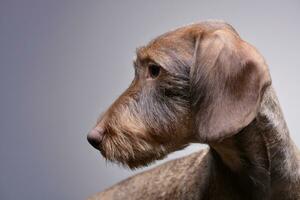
(199, 83)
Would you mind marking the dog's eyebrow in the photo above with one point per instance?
(140, 52)
(138, 63)
(144, 59)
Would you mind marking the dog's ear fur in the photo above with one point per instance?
(228, 78)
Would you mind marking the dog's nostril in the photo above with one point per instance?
(95, 136)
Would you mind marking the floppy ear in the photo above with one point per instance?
(228, 78)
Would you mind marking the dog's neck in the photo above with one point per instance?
(263, 152)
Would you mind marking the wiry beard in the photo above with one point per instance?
(131, 151)
(130, 141)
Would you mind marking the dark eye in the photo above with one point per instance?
(154, 70)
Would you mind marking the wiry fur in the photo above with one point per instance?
(212, 88)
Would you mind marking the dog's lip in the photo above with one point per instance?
(95, 137)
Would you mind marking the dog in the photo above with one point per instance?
(200, 83)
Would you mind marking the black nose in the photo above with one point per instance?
(95, 137)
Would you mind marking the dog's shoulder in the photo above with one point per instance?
(177, 178)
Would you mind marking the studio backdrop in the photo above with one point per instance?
(62, 63)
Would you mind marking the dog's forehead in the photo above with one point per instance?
(180, 38)
(167, 49)
(177, 46)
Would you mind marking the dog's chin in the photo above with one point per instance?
(132, 155)
(134, 162)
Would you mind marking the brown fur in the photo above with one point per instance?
(200, 83)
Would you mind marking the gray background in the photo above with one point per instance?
(63, 62)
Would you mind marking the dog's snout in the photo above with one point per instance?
(95, 136)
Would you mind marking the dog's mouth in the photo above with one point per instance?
(132, 146)
(134, 152)
(129, 152)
